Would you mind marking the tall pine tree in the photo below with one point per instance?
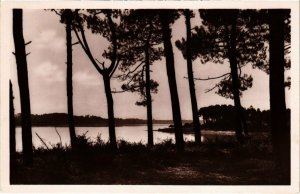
(20, 54)
(167, 17)
(140, 40)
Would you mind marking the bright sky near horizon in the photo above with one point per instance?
(47, 76)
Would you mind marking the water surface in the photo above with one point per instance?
(127, 133)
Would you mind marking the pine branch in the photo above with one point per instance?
(130, 72)
(114, 42)
(126, 90)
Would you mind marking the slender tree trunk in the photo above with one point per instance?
(235, 81)
(12, 131)
(168, 49)
(110, 111)
(280, 131)
(148, 96)
(244, 123)
(22, 72)
(196, 123)
(12, 126)
(68, 15)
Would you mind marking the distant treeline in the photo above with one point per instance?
(61, 120)
(221, 117)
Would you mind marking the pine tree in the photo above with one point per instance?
(20, 54)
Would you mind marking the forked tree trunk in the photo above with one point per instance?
(22, 72)
(196, 123)
(68, 15)
(110, 112)
(280, 130)
(168, 49)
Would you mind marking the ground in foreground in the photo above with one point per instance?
(215, 162)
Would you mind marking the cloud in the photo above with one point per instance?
(49, 72)
(84, 78)
(49, 39)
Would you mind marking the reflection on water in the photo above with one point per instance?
(127, 133)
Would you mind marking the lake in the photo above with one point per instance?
(136, 133)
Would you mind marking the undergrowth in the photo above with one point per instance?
(215, 161)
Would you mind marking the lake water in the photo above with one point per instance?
(127, 133)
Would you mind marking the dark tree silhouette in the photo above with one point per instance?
(141, 36)
(67, 18)
(12, 130)
(12, 125)
(275, 27)
(105, 26)
(280, 131)
(167, 17)
(20, 54)
(221, 117)
(188, 54)
(231, 39)
(225, 35)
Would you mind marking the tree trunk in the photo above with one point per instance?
(280, 131)
(69, 78)
(12, 126)
(148, 96)
(196, 123)
(12, 131)
(22, 72)
(235, 80)
(166, 32)
(110, 111)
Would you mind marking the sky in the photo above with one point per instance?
(47, 76)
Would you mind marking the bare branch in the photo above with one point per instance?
(58, 136)
(132, 78)
(56, 12)
(117, 92)
(28, 43)
(211, 89)
(115, 68)
(210, 78)
(41, 139)
(101, 63)
(79, 40)
(122, 91)
(130, 72)
(75, 43)
(85, 47)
